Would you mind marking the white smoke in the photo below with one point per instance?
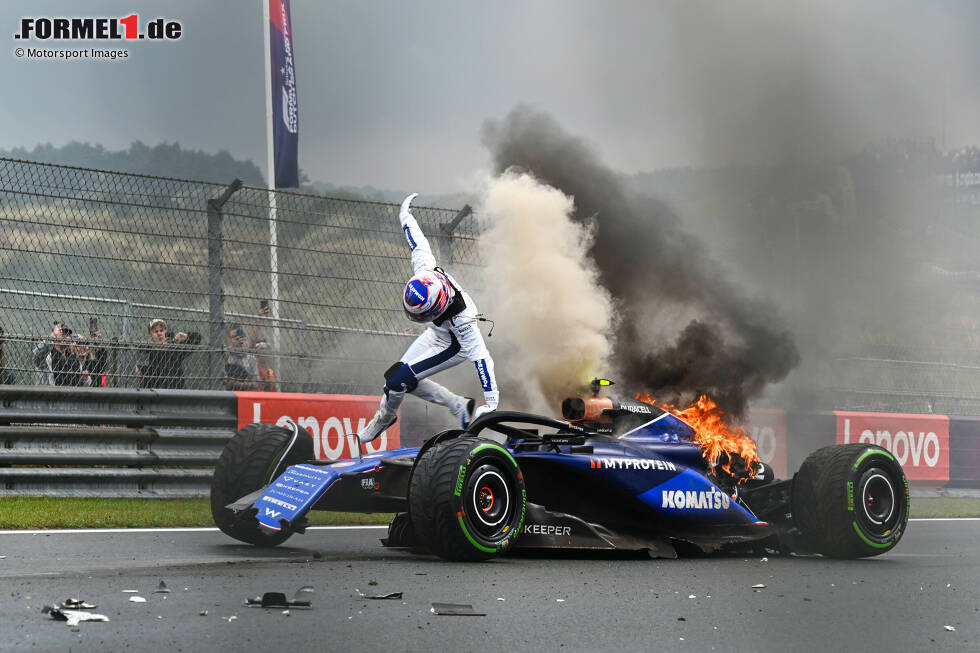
(553, 319)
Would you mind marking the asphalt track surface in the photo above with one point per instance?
(901, 601)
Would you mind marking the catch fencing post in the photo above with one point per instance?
(126, 366)
(216, 292)
(447, 229)
(304, 359)
(115, 378)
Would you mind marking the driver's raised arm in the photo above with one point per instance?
(422, 258)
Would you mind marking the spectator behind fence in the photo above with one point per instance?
(267, 376)
(241, 366)
(80, 350)
(6, 376)
(161, 364)
(92, 362)
(97, 361)
(54, 362)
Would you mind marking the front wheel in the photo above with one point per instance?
(851, 501)
(250, 461)
(467, 499)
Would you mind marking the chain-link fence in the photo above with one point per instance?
(106, 254)
(91, 260)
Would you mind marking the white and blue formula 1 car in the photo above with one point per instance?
(610, 474)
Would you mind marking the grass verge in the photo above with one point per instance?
(51, 512)
(923, 507)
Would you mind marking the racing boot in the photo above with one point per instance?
(381, 420)
(462, 409)
(386, 416)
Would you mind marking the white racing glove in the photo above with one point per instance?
(481, 410)
(406, 211)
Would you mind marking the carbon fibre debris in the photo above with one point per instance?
(390, 595)
(73, 617)
(303, 598)
(456, 610)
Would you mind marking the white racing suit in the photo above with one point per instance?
(450, 339)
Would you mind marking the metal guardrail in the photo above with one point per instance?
(99, 442)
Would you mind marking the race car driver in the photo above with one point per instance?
(433, 296)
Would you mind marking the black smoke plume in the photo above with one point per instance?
(732, 348)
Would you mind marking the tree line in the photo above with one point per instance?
(163, 160)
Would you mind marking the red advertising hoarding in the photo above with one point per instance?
(333, 420)
(767, 427)
(920, 443)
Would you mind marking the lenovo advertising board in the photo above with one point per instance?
(333, 420)
(920, 443)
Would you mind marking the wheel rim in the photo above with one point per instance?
(489, 501)
(879, 507)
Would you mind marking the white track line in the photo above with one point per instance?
(945, 519)
(75, 531)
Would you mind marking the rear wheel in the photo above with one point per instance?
(851, 501)
(467, 499)
(248, 463)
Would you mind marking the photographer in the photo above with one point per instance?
(161, 365)
(81, 350)
(96, 361)
(53, 361)
(92, 362)
(267, 376)
(241, 366)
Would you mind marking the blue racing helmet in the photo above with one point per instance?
(427, 295)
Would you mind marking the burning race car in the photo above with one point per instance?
(611, 474)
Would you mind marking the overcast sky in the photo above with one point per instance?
(393, 93)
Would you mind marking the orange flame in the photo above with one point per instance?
(715, 436)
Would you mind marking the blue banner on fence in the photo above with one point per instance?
(285, 106)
